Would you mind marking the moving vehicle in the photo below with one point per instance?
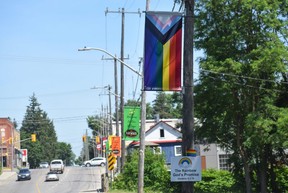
(24, 174)
(96, 161)
(57, 165)
(44, 165)
(52, 176)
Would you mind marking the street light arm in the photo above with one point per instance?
(105, 87)
(122, 62)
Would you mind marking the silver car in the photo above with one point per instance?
(44, 165)
(52, 176)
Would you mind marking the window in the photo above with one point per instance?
(178, 150)
(223, 162)
(162, 133)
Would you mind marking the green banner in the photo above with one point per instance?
(131, 123)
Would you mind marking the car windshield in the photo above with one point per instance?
(23, 171)
(56, 162)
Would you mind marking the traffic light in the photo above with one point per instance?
(84, 138)
(10, 140)
(33, 137)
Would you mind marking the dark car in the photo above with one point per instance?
(24, 174)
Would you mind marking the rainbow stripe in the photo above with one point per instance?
(191, 152)
(185, 161)
(163, 51)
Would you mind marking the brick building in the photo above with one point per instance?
(9, 144)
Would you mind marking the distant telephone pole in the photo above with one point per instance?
(116, 102)
(86, 146)
(122, 81)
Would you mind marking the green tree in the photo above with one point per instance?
(64, 152)
(168, 105)
(239, 95)
(36, 121)
(149, 109)
(133, 103)
(177, 103)
(96, 123)
(46, 147)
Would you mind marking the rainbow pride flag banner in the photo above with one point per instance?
(191, 152)
(163, 51)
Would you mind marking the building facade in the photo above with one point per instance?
(9, 144)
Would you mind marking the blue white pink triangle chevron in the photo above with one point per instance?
(163, 21)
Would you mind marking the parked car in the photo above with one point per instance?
(24, 174)
(57, 165)
(44, 165)
(52, 176)
(96, 161)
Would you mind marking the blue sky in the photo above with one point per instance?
(38, 54)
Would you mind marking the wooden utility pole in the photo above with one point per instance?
(142, 138)
(123, 152)
(116, 102)
(110, 132)
(142, 131)
(122, 82)
(188, 101)
(116, 108)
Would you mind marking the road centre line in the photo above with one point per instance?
(37, 186)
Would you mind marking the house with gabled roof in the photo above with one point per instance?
(164, 137)
(168, 138)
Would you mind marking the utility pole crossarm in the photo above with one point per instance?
(119, 11)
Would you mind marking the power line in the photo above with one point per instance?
(244, 77)
(247, 85)
(35, 59)
(48, 94)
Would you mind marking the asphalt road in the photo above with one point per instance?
(73, 180)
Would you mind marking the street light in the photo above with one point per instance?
(101, 50)
(143, 118)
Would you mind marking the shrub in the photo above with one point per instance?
(156, 174)
(216, 181)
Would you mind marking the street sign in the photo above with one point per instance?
(116, 145)
(111, 162)
(186, 169)
(24, 155)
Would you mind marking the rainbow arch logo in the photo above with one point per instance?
(185, 162)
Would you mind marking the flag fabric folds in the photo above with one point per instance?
(163, 51)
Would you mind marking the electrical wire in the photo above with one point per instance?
(48, 94)
(245, 85)
(244, 77)
(33, 59)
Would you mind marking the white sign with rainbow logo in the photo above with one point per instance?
(186, 169)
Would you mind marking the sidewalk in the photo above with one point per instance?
(7, 173)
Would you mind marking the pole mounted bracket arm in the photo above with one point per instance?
(122, 62)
